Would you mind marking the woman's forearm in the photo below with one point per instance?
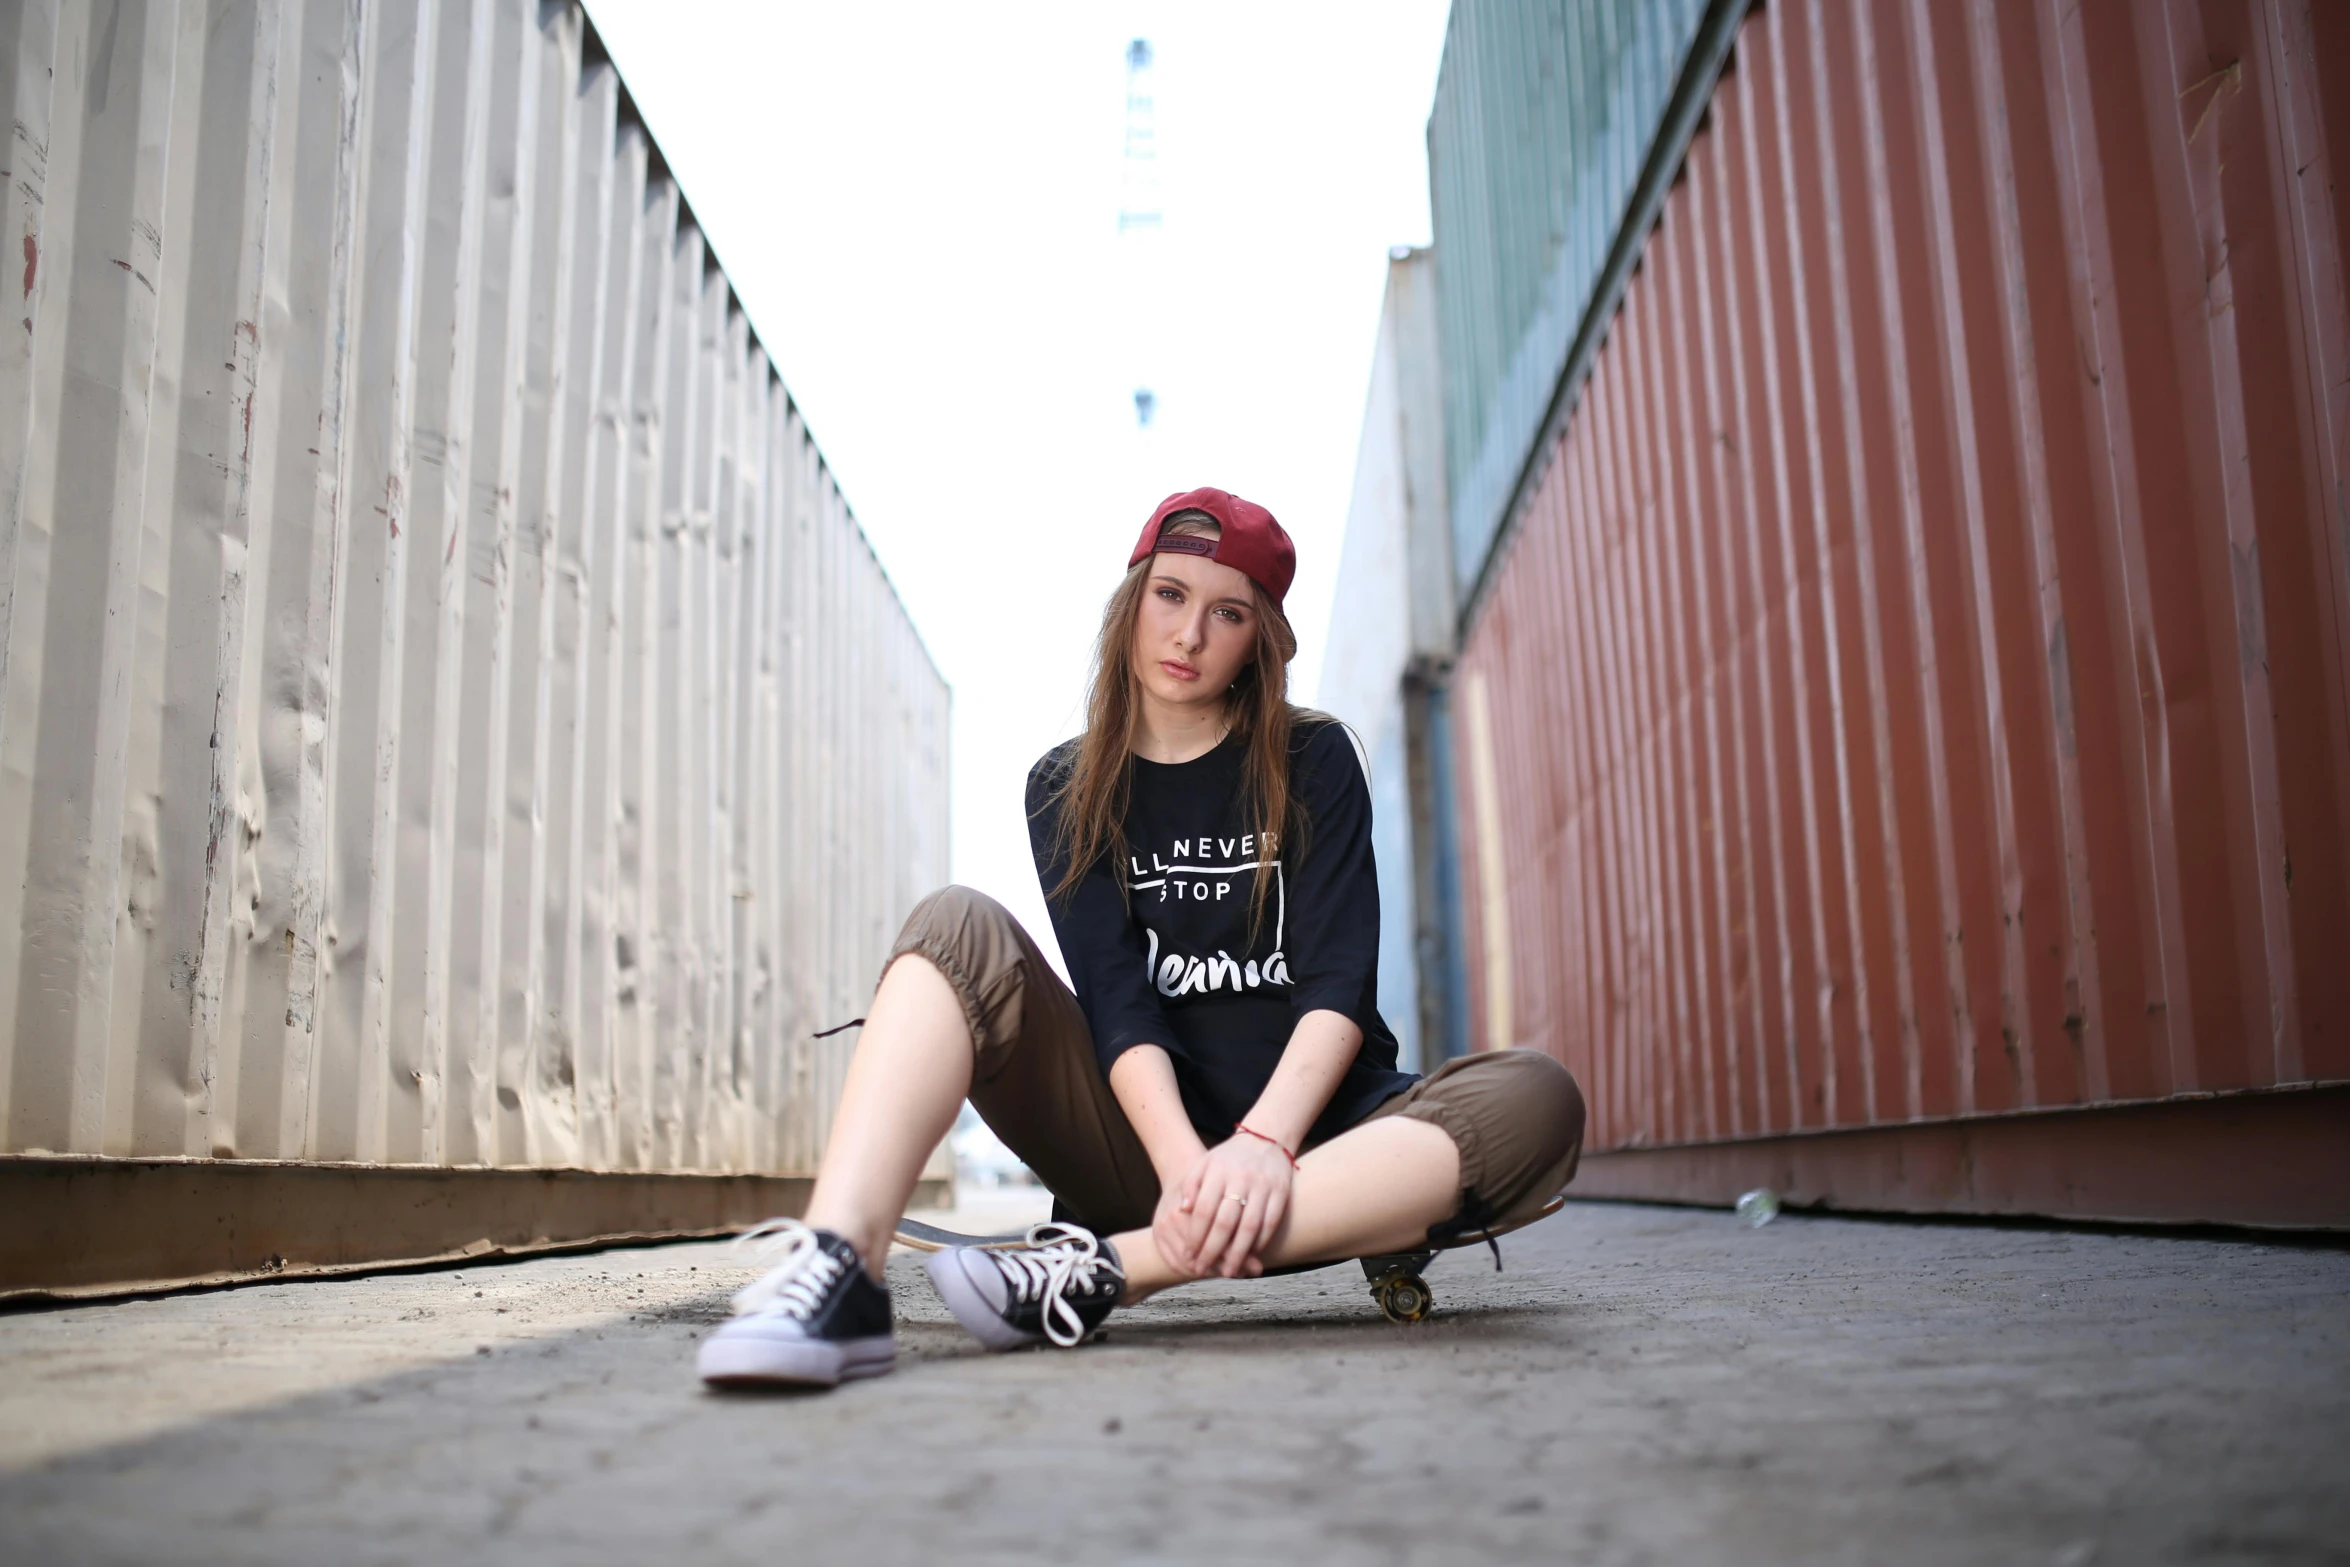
(1320, 1049)
(1143, 1079)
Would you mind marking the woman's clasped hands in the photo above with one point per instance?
(1220, 1217)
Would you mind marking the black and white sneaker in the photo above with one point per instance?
(813, 1320)
(1058, 1287)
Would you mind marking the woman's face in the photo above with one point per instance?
(1196, 631)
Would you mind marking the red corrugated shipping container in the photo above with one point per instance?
(1911, 707)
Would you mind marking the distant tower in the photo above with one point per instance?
(1138, 228)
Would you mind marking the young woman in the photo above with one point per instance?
(1219, 1095)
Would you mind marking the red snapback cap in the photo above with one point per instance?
(1253, 544)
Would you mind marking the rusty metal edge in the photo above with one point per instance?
(92, 1228)
(2272, 1159)
(147, 1289)
(1692, 97)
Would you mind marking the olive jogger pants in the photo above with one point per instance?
(1515, 1115)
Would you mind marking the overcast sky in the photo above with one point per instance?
(918, 205)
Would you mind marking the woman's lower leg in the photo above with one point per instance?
(905, 1084)
(1375, 1190)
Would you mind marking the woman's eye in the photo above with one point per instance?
(1230, 614)
(1170, 595)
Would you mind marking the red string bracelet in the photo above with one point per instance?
(1262, 1138)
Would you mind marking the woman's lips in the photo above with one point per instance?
(1178, 669)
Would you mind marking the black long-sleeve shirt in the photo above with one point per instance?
(1171, 963)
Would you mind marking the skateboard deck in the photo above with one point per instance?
(930, 1237)
(1402, 1295)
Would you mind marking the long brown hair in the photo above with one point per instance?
(1094, 792)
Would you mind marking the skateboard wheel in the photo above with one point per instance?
(1403, 1297)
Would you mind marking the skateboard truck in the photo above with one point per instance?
(1403, 1295)
(1396, 1282)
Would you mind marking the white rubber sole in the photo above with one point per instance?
(748, 1360)
(971, 1308)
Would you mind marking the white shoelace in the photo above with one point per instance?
(1057, 1255)
(795, 1286)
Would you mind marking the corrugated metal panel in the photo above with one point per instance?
(1544, 116)
(1918, 686)
(449, 715)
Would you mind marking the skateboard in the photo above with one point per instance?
(1403, 1295)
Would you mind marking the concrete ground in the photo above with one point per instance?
(1640, 1385)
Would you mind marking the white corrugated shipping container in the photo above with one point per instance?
(450, 723)
(1391, 636)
